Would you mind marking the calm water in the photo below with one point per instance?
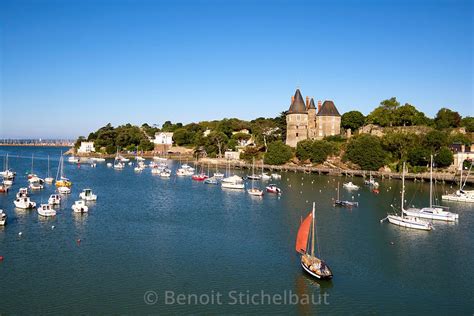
(146, 233)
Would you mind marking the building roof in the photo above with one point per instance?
(311, 104)
(297, 105)
(328, 109)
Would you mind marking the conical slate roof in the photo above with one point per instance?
(297, 106)
(311, 104)
(328, 109)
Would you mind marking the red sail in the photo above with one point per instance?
(303, 233)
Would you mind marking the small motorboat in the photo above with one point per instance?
(24, 203)
(165, 174)
(23, 192)
(211, 180)
(233, 185)
(49, 180)
(155, 170)
(265, 176)
(8, 182)
(54, 199)
(254, 177)
(109, 165)
(80, 207)
(73, 159)
(3, 218)
(272, 188)
(87, 195)
(276, 176)
(199, 177)
(255, 192)
(35, 186)
(46, 210)
(64, 190)
(350, 186)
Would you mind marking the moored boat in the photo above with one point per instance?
(272, 188)
(80, 207)
(461, 195)
(24, 203)
(3, 218)
(54, 199)
(350, 186)
(87, 195)
(313, 265)
(46, 210)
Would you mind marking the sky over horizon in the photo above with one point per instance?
(70, 67)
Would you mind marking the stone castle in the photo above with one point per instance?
(304, 121)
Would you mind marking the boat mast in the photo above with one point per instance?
(403, 187)
(460, 179)
(32, 159)
(48, 167)
(431, 182)
(313, 234)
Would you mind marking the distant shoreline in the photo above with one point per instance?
(34, 145)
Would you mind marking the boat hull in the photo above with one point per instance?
(440, 217)
(314, 274)
(396, 220)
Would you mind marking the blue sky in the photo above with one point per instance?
(69, 67)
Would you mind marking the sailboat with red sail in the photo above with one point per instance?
(313, 265)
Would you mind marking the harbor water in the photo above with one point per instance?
(156, 245)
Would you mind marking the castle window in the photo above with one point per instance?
(296, 134)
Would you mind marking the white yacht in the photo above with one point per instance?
(3, 218)
(432, 212)
(46, 210)
(80, 207)
(87, 195)
(407, 221)
(54, 199)
(64, 190)
(24, 203)
(461, 195)
(23, 192)
(73, 159)
(233, 185)
(35, 186)
(350, 186)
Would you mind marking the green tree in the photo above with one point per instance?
(379, 116)
(444, 157)
(435, 139)
(459, 138)
(278, 153)
(320, 150)
(182, 137)
(366, 151)
(418, 156)
(352, 120)
(250, 153)
(468, 123)
(446, 118)
(408, 115)
(399, 144)
(304, 149)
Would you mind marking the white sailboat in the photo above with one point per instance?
(407, 221)
(61, 180)
(461, 195)
(432, 212)
(49, 179)
(118, 162)
(254, 191)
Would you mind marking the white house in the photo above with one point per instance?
(232, 155)
(163, 138)
(206, 132)
(86, 147)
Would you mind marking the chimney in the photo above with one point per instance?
(307, 102)
(292, 98)
(319, 105)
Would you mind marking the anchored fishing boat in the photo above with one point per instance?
(80, 207)
(313, 265)
(87, 195)
(24, 203)
(46, 210)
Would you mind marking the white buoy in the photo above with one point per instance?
(320, 191)
(52, 227)
(20, 233)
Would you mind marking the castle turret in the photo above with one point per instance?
(328, 120)
(311, 119)
(296, 120)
